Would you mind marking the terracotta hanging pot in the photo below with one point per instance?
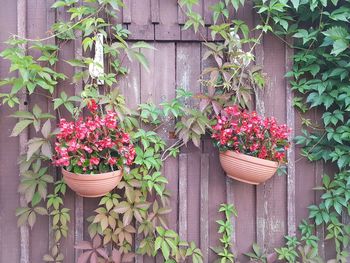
(92, 185)
(247, 169)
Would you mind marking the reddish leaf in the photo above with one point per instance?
(203, 104)
(94, 258)
(102, 252)
(216, 107)
(128, 257)
(96, 242)
(83, 258)
(127, 218)
(116, 256)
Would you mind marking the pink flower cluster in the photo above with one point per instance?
(96, 144)
(251, 134)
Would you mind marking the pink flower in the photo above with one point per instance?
(94, 161)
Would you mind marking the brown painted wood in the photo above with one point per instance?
(183, 179)
(155, 11)
(67, 52)
(274, 98)
(79, 201)
(13, 241)
(266, 213)
(23, 137)
(168, 28)
(37, 28)
(204, 227)
(127, 11)
(291, 151)
(207, 12)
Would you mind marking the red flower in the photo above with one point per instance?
(97, 135)
(94, 161)
(112, 160)
(92, 105)
(251, 134)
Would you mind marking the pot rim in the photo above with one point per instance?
(250, 159)
(92, 177)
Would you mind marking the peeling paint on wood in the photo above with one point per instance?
(291, 150)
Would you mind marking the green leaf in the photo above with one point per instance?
(295, 4)
(339, 46)
(20, 126)
(142, 59)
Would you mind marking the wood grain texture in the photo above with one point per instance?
(196, 180)
(67, 52)
(37, 28)
(14, 242)
(319, 169)
(204, 216)
(183, 177)
(127, 11)
(168, 28)
(291, 151)
(23, 137)
(260, 108)
(51, 19)
(155, 11)
(78, 200)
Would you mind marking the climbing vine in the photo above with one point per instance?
(139, 205)
(320, 80)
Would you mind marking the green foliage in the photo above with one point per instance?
(319, 78)
(225, 251)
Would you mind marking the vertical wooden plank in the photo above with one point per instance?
(141, 27)
(245, 194)
(207, 12)
(188, 68)
(260, 108)
(14, 242)
(181, 16)
(271, 197)
(23, 137)
(158, 85)
(217, 195)
(274, 98)
(155, 11)
(320, 229)
(78, 200)
(204, 227)
(183, 196)
(130, 84)
(230, 199)
(127, 12)
(50, 19)
(37, 28)
(291, 151)
(168, 28)
(67, 52)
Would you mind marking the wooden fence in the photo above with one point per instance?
(265, 213)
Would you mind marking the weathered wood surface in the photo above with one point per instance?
(265, 213)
